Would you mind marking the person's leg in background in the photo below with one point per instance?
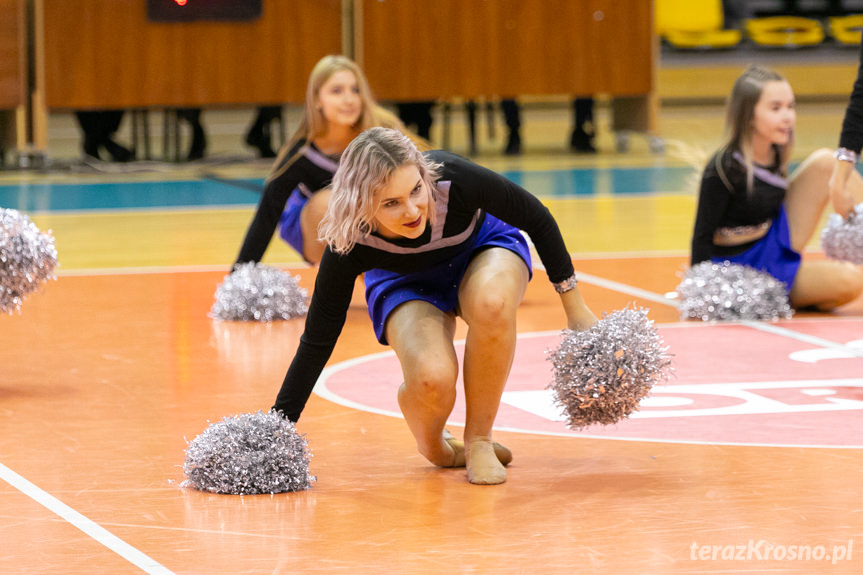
(417, 115)
(199, 138)
(512, 117)
(98, 127)
(260, 133)
(584, 128)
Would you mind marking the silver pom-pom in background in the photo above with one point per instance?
(257, 292)
(602, 373)
(27, 258)
(731, 292)
(842, 239)
(249, 454)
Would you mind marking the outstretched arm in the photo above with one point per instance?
(327, 312)
(850, 144)
(840, 196)
(578, 315)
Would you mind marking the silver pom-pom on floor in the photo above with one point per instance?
(257, 292)
(252, 453)
(842, 238)
(731, 292)
(602, 373)
(27, 258)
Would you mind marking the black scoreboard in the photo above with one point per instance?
(191, 10)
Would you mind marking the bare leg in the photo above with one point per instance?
(422, 337)
(822, 284)
(489, 296)
(808, 193)
(826, 284)
(312, 214)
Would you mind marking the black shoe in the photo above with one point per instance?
(118, 152)
(513, 146)
(199, 145)
(91, 148)
(195, 153)
(257, 139)
(91, 153)
(582, 142)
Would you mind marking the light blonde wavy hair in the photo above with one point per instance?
(740, 114)
(366, 166)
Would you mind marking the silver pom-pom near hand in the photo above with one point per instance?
(248, 454)
(842, 238)
(257, 292)
(731, 292)
(601, 374)
(27, 258)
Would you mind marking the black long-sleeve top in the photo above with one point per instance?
(304, 169)
(852, 125)
(464, 193)
(724, 202)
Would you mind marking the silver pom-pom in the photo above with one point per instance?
(247, 454)
(27, 258)
(601, 374)
(731, 292)
(257, 292)
(842, 239)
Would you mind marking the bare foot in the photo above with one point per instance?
(483, 466)
(443, 454)
(504, 455)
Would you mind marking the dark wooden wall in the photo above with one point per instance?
(426, 49)
(106, 54)
(13, 78)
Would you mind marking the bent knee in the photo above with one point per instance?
(849, 283)
(821, 159)
(314, 210)
(431, 381)
(822, 156)
(491, 309)
(818, 164)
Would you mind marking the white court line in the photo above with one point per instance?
(759, 325)
(98, 533)
(587, 278)
(625, 288)
(156, 270)
(602, 282)
(815, 340)
(655, 297)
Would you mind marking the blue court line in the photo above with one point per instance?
(606, 181)
(583, 182)
(127, 195)
(214, 191)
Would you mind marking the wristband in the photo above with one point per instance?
(845, 155)
(566, 285)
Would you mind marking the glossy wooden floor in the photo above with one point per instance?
(108, 371)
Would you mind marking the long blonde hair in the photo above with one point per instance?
(313, 123)
(366, 166)
(740, 114)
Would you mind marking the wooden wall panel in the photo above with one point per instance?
(13, 74)
(422, 49)
(106, 54)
